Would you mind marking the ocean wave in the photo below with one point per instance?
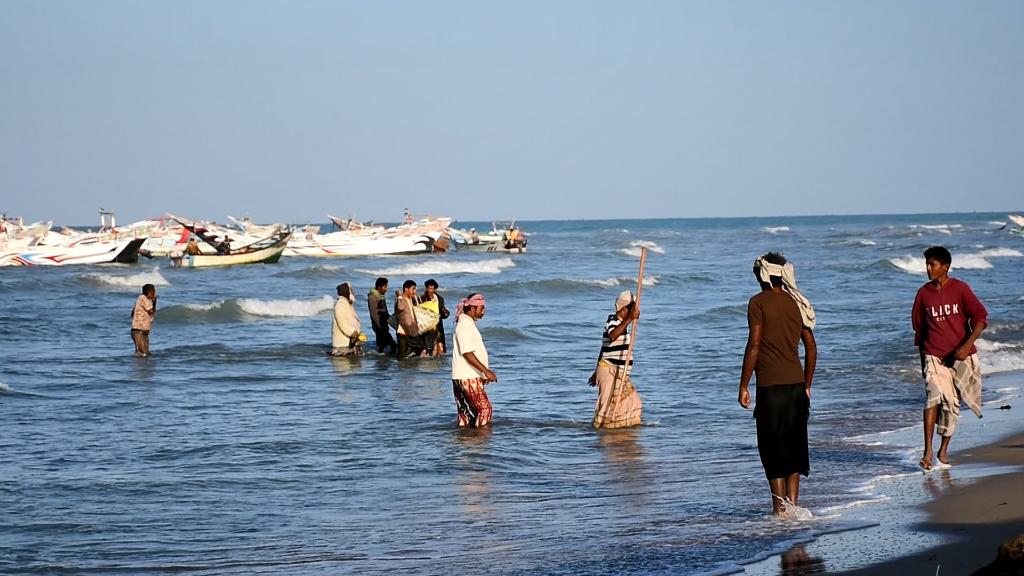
(315, 271)
(775, 229)
(613, 282)
(916, 265)
(236, 309)
(937, 226)
(493, 266)
(635, 246)
(5, 389)
(560, 285)
(504, 333)
(867, 242)
(999, 356)
(1000, 253)
(132, 281)
(997, 223)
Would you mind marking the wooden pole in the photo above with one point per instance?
(636, 304)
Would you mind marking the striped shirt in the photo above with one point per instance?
(614, 352)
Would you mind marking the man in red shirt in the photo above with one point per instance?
(947, 319)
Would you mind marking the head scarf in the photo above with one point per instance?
(766, 270)
(624, 299)
(345, 291)
(475, 300)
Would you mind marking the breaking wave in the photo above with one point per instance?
(635, 246)
(915, 264)
(493, 266)
(237, 309)
(999, 356)
(999, 253)
(775, 229)
(133, 282)
(867, 242)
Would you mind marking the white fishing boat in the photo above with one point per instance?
(422, 236)
(88, 250)
(38, 245)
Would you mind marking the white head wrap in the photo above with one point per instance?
(624, 299)
(788, 274)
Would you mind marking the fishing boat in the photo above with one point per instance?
(509, 239)
(423, 236)
(1019, 221)
(264, 251)
(38, 245)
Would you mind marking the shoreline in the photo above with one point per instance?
(973, 519)
(951, 520)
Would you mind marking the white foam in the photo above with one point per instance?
(867, 242)
(997, 223)
(936, 226)
(1002, 360)
(4, 388)
(611, 282)
(634, 250)
(1000, 253)
(776, 229)
(132, 281)
(285, 308)
(653, 247)
(493, 266)
(988, 345)
(916, 265)
(204, 307)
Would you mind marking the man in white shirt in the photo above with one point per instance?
(470, 369)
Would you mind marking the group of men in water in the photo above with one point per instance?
(947, 319)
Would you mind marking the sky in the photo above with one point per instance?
(287, 111)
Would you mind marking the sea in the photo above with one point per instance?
(240, 447)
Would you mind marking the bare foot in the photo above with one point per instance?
(943, 458)
(926, 462)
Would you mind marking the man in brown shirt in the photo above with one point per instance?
(776, 326)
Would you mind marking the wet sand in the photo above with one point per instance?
(976, 518)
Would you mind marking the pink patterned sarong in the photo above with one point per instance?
(471, 402)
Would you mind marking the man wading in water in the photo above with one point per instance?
(778, 318)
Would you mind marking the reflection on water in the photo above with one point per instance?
(472, 479)
(142, 369)
(797, 562)
(627, 466)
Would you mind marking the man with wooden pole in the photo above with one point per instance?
(618, 404)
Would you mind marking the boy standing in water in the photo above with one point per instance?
(142, 319)
(947, 318)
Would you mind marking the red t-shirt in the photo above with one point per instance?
(944, 316)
